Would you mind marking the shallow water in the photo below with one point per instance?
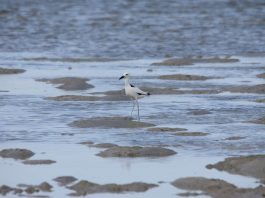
(80, 161)
(29, 117)
(30, 121)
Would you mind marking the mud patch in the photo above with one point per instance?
(171, 91)
(69, 83)
(38, 162)
(65, 180)
(16, 153)
(89, 98)
(88, 142)
(232, 138)
(184, 77)
(30, 189)
(165, 129)
(253, 166)
(72, 59)
(191, 134)
(110, 122)
(11, 71)
(199, 112)
(136, 151)
(4, 190)
(84, 187)
(217, 188)
(104, 145)
(260, 100)
(258, 121)
(261, 75)
(190, 61)
(258, 89)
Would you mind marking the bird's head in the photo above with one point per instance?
(125, 75)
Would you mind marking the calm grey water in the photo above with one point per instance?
(132, 29)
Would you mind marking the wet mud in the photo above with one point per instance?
(19, 154)
(69, 83)
(191, 134)
(110, 122)
(261, 75)
(136, 151)
(258, 121)
(258, 89)
(186, 77)
(253, 166)
(11, 71)
(25, 189)
(38, 162)
(84, 187)
(65, 180)
(217, 188)
(190, 61)
(199, 112)
(165, 129)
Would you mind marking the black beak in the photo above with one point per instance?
(121, 77)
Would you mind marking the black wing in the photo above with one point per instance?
(131, 85)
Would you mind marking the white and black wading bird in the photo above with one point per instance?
(133, 92)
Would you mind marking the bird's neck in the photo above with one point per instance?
(126, 82)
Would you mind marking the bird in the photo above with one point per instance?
(133, 92)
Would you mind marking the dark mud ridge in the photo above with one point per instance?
(84, 187)
(253, 165)
(258, 89)
(185, 77)
(65, 180)
(72, 59)
(261, 75)
(165, 129)
(89, 98)
(69, 83)
(24, 188)
(11, 71)
(191, 61)
(260, 100)
(136, 151)
(217, 188)
(16, 153)
(191, 134)
(199, 112)
(110, 122)
(104, 145)
(235, 138)
(38, 162)
(172, 91)
(258, 121)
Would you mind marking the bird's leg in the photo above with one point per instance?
(133, 107)
(138, 109)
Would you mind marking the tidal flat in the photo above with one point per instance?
(184, 130)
